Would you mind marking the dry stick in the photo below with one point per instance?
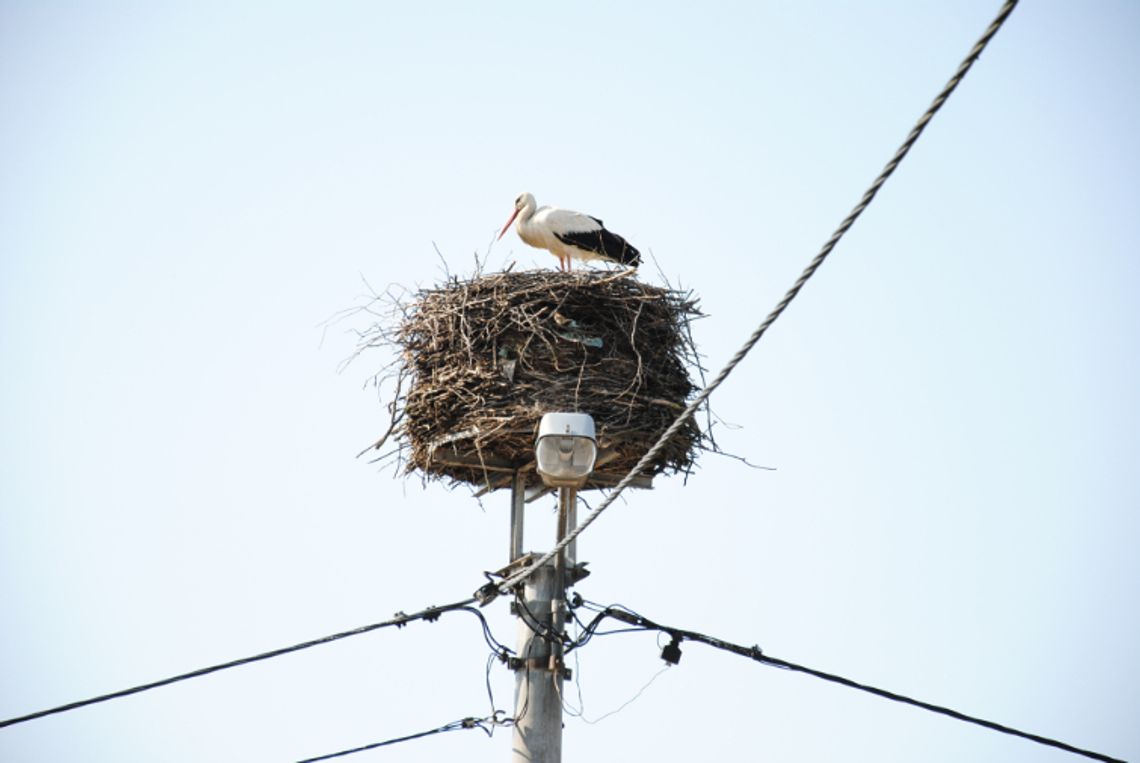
(396, 417)
(435, 330)
(488, 593)
(636, 382)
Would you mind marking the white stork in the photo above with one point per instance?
(568, 234)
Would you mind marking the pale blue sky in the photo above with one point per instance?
(187, 191)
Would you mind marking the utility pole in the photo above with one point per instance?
(537, 734)
(564, 457)
(539, 670)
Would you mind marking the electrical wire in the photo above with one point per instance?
(499, 648)
(487, 725)
(588, 631)
(754, 653)
(489, 592)
(540, 629)
(429, 614)
(627, 703)
(578, 711)
(490, 693)
(520, 712)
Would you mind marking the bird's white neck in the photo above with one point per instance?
(527, 211)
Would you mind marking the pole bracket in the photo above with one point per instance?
(538, 663)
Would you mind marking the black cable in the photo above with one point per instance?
(586, 631)
(543, 630)
(754, 653)
(496, 646)
(430, 614)
(520, 713)
(615, 631)
(590, 630)
(463, 723)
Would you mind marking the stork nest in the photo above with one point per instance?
(481, 360)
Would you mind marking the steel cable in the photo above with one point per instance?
(487, 593)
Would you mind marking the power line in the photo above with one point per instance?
(487, 725)
(588, 631)
(429, 614)
(489, 592)
(754, 653)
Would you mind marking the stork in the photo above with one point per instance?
(568, 234)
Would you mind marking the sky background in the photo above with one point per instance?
(188, 191)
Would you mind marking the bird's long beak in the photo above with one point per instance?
(508, 225)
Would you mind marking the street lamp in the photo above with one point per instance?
(566, 449)
(564, 456)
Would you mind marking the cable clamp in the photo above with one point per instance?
(487, 594)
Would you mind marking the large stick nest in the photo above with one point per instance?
(481, 360)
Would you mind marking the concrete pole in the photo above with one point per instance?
(537, 734)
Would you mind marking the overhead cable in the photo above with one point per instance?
(754, 653)
(487, 725)
(430, 614)
(489, 592)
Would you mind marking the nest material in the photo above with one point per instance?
(482, 360)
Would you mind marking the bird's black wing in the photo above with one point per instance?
(607, 245)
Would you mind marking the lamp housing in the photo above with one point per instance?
(566, 449)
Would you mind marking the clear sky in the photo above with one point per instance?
(189, 190)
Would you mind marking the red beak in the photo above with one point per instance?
(508, 225)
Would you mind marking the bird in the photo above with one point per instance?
(567, 234)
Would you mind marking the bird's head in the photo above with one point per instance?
(524, 201)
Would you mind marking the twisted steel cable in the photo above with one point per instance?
(485, 594)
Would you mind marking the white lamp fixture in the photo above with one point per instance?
(566, 449)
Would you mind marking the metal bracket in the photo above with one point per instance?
(538, 663)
